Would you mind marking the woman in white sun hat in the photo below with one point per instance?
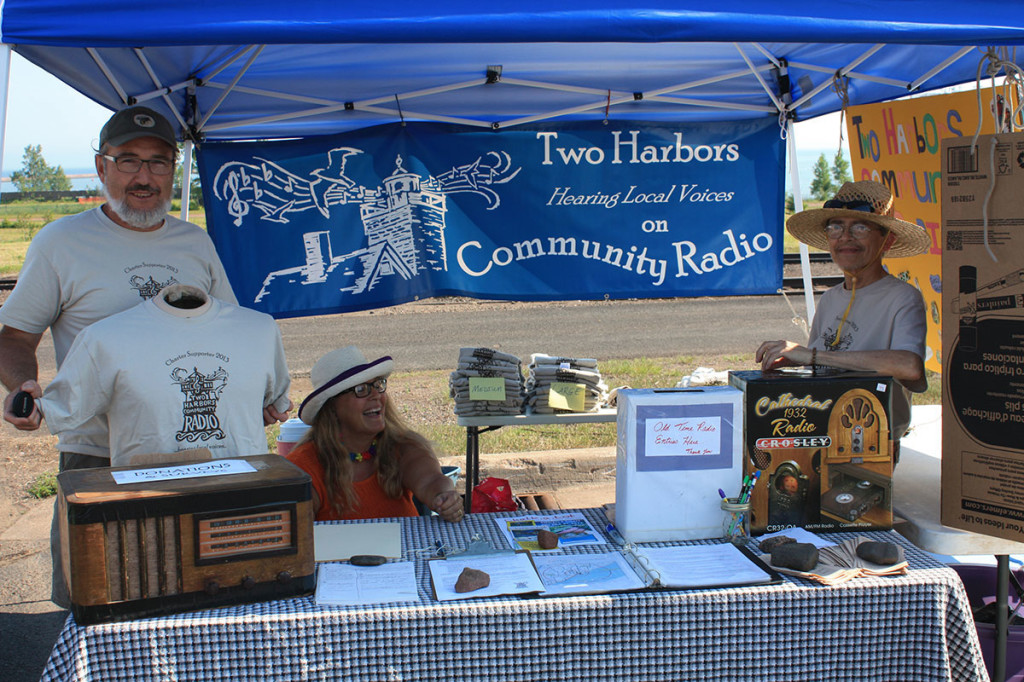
(364, 461)
(872, 321)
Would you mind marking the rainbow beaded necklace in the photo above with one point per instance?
(366, 454)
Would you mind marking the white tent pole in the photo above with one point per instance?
(5, 88)
(757, 75)
(853, 74)
(102, 65)
(939, 67)
(234, 81)
(186, 177)
(844, 71)
(798, 205)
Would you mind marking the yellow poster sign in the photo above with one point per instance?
(897, 144)
(566, 396)
(487, 388)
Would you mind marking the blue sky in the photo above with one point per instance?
(43, 110)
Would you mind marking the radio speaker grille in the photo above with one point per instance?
(143, 558)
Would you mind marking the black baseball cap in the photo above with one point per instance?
(135, 122)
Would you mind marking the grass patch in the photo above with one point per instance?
(933, 396)
(21, 220)
(44, 486)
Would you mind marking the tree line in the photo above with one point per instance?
(826, 180)
(36, 175)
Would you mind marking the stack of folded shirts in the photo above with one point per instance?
(485, 362)
(545, 370)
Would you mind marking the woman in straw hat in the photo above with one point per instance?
(364, 461)
(872, 321)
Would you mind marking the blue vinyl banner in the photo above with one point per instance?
(395, 213)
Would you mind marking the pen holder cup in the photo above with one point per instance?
(735, 520)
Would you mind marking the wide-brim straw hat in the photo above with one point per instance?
(867, 200)
(338, 371)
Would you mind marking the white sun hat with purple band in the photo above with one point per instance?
(339, 371)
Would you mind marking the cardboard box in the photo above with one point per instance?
(676, 448)
(983, 336)
(821, 442)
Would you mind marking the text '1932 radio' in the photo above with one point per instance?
(145, 541)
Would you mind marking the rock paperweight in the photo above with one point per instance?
(471, 579)
(768, 544)
(546, 539)
(799, 556)
(881, 553)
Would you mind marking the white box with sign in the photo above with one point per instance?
(676, 448)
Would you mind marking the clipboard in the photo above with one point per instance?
(513, 572)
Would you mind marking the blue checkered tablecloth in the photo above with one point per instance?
(894, 629)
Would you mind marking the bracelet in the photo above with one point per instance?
(814, 357)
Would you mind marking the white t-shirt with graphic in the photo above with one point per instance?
(168, 382)
(886, 315)
(83, 268)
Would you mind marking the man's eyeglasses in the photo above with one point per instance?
(133, 164)
(363, 390)
(857, 230)
(856, 205)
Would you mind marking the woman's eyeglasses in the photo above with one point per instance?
(363, 390)
(857, 230)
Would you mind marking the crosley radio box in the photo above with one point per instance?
(151, 540)
(983, 335)
(821, 442)
(676, 448)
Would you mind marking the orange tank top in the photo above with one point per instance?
(373, 502)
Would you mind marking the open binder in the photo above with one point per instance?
(696, 566)
(637, 567)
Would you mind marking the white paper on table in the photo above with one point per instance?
(510, 573)
(342, 541)
(349, 585)
(700, 566)
(800, 535)
(586, 573)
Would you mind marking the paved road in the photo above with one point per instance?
(427, 335)
(419, 340)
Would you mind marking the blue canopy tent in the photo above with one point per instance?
(262, 69)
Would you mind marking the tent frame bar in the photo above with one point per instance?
(608, 97)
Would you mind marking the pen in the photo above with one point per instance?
(750, 488)
(721, 493)
(743, 488)
(613, 533)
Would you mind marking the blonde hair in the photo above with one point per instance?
(333, 455)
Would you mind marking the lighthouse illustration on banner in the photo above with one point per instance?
(403, 219)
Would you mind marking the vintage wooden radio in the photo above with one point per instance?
(821, 441)
(145, 541)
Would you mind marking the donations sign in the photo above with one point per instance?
(396, 213)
